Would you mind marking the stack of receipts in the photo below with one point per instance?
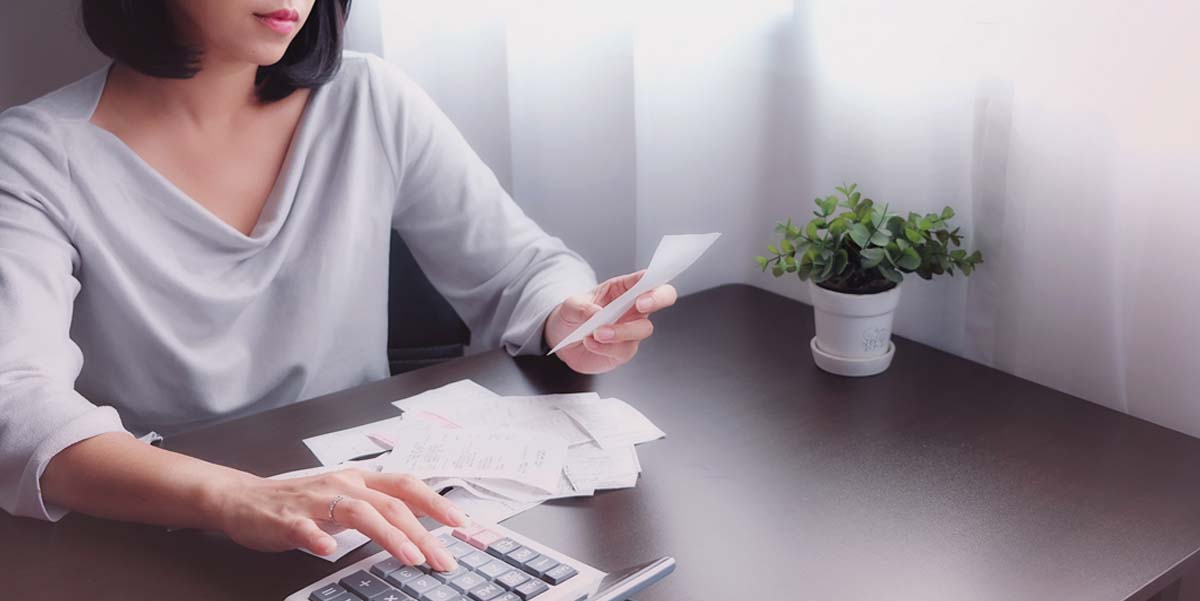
(498, 455)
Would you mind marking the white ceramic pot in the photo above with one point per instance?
(854, 331)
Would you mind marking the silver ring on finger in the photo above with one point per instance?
(333, 505)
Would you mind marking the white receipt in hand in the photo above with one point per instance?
(673, 256)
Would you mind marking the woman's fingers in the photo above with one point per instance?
(660, 298)
(398, 515)
(378, 505)
(620, 351)
(363, 516)
(421, 499)
(615, 287)
(304, 533)
(577, 309)
(631, 331)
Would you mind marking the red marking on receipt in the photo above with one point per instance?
(445, 421)
(387, 442)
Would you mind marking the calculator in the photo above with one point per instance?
(494, 564)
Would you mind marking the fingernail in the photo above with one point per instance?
(445, 559)
(457, 517)
(645, 304)
(412, 554)
(605, 333)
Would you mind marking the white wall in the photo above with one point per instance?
(715, 130)
(558, 128)
(609, 127)
(42, 48)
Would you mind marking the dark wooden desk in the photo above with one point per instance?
(940, 479)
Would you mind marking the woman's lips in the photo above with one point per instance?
(281, 21)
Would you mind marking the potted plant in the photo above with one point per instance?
(854, 255)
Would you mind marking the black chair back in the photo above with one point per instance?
(423, 328)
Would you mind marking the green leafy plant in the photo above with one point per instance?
(853, 245)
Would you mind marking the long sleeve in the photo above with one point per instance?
(40, 412)
(500, 271)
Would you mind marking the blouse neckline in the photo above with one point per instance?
(279, 200)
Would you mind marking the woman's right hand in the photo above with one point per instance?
(279, 515)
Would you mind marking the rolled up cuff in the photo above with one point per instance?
(100, 420)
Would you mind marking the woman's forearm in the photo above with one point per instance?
(117, 477)
(114, 476)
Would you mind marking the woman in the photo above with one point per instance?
(200, 232)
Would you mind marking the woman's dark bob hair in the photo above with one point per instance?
(140, 34)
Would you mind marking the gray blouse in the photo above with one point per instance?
(127, 306)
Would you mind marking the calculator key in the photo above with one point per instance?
(404, 574)
(493, 568)
(386, 567)
(458, 570)
(502, 547)
(329, 592)
(365, 586)
(394, 596)
(466, 533)
(441, 593)
(446, 540)
(458, 550)
(520, 556)
(531, 589)
(507, 597)
(419, 586)
(559, 574)
(483, 538)
(467, 581)
(486, 592)
(512, 579)
(540, 565)
(475, 559)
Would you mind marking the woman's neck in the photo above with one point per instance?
(213, 98)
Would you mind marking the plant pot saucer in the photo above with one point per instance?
(854, 367)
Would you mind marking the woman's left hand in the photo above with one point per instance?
(613, 345)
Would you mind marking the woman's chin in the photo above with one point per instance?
(265, 55)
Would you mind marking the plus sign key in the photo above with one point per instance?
(367, 587)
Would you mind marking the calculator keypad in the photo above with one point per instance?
(491, 567)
